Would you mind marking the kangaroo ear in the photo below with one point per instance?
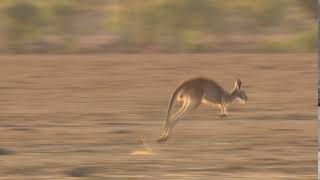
(238, 84)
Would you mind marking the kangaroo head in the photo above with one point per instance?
(238, 92)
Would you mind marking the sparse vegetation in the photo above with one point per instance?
(4, 151)
(64, 22)
(311, 7)
(304, 42)
(178, 26)
(23, 24)
(80, 171)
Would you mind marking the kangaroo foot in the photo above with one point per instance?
(162, 138)
(222, 115)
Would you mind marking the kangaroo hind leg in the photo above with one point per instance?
(170, 120)
(191, 101)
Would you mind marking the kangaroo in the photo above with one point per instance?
(199, 90)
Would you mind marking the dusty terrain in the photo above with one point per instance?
(98, 117)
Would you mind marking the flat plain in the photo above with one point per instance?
(98, 117)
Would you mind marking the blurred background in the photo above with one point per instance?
(99, 26)
(85, 85)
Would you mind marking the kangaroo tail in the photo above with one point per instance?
(173, 97)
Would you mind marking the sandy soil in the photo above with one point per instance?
(98, 116)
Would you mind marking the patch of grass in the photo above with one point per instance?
(81, 171)
(4, 151)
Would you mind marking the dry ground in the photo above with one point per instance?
(82, 117)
